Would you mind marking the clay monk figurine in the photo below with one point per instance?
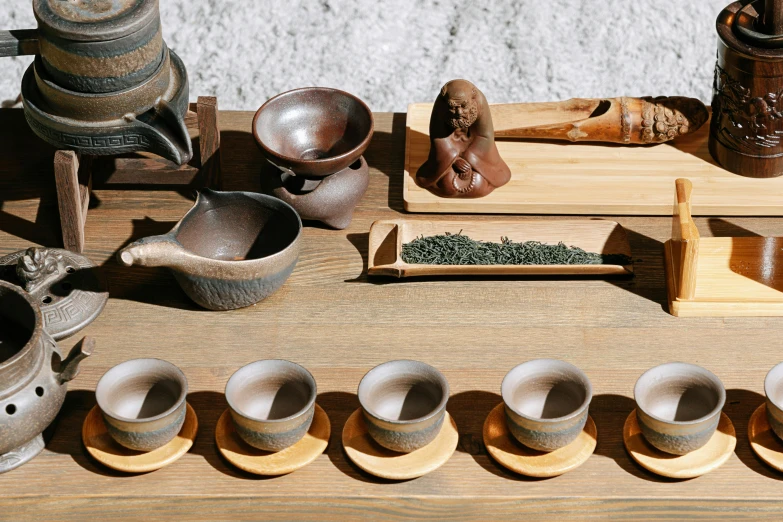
(464, 161)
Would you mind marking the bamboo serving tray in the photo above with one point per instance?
(388, 236)
(549, 177)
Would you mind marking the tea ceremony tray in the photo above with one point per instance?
(338, 323)
(595, 236)
(556, 177)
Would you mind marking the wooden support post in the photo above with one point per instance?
(685, 241)
(73, 197)
(73, 174)
(209, 142)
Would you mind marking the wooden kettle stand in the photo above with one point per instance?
(74, 173)
(720, 276)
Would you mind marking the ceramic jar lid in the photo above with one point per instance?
(68, 287)
(94, 20)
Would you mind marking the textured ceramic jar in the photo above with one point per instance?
(231, 250)
(33, 377)
(404, 404)
(272, 403)
(143, 402)
(546, 403)
(678, 406)
(773, 388)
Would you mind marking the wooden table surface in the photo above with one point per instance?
(330, 318)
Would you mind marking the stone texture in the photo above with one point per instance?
(401, 51)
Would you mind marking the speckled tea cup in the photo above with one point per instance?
(272, 403)
(546, 403)
(773, 388)
(678, 406)
(404, 404)
(143, 402)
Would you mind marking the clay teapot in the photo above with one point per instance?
(103, 81)
(34, 376)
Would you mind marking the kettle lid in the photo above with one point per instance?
(94, 20)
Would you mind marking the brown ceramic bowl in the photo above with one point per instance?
(314, 131)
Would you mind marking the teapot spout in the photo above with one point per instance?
(153, 251)
(69, 368)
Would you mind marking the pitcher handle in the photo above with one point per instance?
(19, 42)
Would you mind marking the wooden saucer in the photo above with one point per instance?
(105, 450)
(259, 462)
(695, 464)
(381, 462)
(510, 454)
(763, 440)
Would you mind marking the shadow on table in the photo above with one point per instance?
(740, 405)
(386, 153)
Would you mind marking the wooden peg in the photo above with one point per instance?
(73, 197)
(685, 240)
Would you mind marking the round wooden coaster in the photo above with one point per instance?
(381, 462)
(695, 464)
(259, 462)
(510, 454)
(763, 440)
(105, 450)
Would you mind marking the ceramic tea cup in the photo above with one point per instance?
(272, 403)
(143, 402)
(546, 403)
(404, 404)
(678, 406)
(773, 388)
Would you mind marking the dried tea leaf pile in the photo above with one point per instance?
(458, 249)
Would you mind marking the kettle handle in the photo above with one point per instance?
(19, 42)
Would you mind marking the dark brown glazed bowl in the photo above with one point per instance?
(272, 403)
(404, 404)
(143, 402)
(314, 131)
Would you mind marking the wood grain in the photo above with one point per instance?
(708, 458)
(336, 322)
(502, 446)
(603, 237)
(568, 178)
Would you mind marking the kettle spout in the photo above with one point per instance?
(69, 368)
(153, 251)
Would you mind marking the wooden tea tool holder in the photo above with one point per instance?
(74, 173)
(512, 455)
(709, 457)
(376, 460)
(763, 440)
(103, 448)
(720, 276)
(267, 463)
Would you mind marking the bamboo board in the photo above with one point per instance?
(582, 178)
(604, 237)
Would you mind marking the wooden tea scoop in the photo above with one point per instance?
(629, 121)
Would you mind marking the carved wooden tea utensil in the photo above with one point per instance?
(231, 250)
(626, 121)
(678, 428)
(543, 427)
(142, 421)
(70, 290)
(747, 122)
(607, 238)
(402, 431)
(34, 376)
(273, 425)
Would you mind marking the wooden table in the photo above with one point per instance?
(333, 320)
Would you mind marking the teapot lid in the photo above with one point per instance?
(94, 20)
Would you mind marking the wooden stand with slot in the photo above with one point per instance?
(720, 276)
(74, 174)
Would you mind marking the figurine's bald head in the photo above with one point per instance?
(461, 97)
